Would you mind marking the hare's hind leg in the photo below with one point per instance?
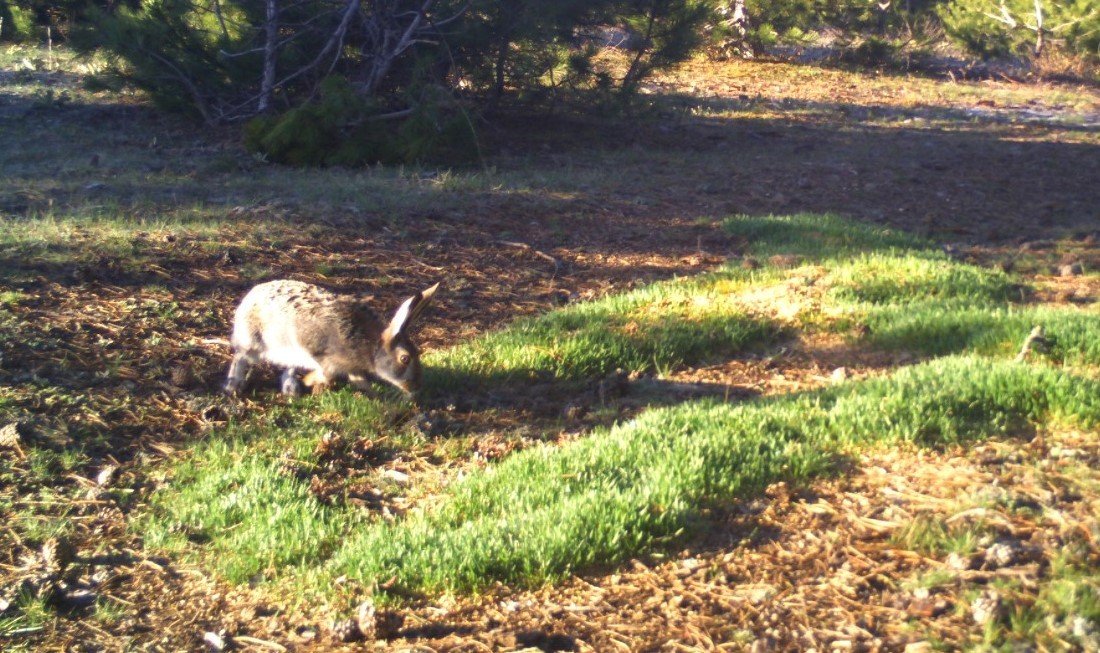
(238, 372)
(289, 382)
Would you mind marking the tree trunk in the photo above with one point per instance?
(636, 69)
(739, 20)
(1039, 40)
(271, 33)
(502, 59)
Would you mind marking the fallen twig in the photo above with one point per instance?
(540, 254)
(255, 641)
(1036, 336)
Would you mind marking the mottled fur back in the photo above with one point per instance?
(304, 328)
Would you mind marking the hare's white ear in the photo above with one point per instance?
(408, 312)
(425, 298)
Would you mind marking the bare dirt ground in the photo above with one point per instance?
(1003, 173)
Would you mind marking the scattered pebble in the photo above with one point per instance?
(1071, 270)
(401, 478)
(958, 562)
(346, 630)
(214, 640)
(366, 619)
(106, 475)
(986, 607)
(1001, 554)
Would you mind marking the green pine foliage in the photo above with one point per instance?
(18, 23)
(979, 25)
(208, 62)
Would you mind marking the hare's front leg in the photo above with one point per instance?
(317, 381)
(238, 372)
(289, 382)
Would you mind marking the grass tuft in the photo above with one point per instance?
(659, 327)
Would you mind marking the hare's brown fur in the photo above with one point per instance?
(303, 328)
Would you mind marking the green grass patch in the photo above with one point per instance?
(238, 495)
(551, 511)
(1064, 612)
(935, 537)
(28, 612)
(913, 297)
(548, 512)
(663, 326)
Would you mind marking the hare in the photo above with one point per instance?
(304, 328)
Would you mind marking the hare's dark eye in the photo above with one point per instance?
(403, 359)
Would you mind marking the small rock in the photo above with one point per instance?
(1001, 554)
(346, 630)
(95, 185)
(1085, 631)
(214, 640)
(401, 478)
(986, 607)
(918, 647)
(106, 475)
(1060, 452)
(957, 562)
(366, 619)
(573, 412)
(763, 645)
(1071, 270)
(839, 374)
